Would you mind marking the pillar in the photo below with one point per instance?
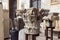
(1, 23)
(6, 23)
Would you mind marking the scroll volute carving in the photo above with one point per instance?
(42, 13)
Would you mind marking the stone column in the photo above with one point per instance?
(6, 23)
(1, 23)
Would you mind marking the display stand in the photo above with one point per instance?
(31, 36)
(47, 29)
(59, 35)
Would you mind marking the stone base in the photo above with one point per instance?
(32, 31)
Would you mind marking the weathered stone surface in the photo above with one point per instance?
(6, 23)
(30, 20)
(1, 24)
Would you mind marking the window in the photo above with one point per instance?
(36, 3)
(0, 0)
(21, 2)
(5, 4)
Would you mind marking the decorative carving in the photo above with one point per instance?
(32, 18)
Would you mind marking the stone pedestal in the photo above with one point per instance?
(47, 37)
